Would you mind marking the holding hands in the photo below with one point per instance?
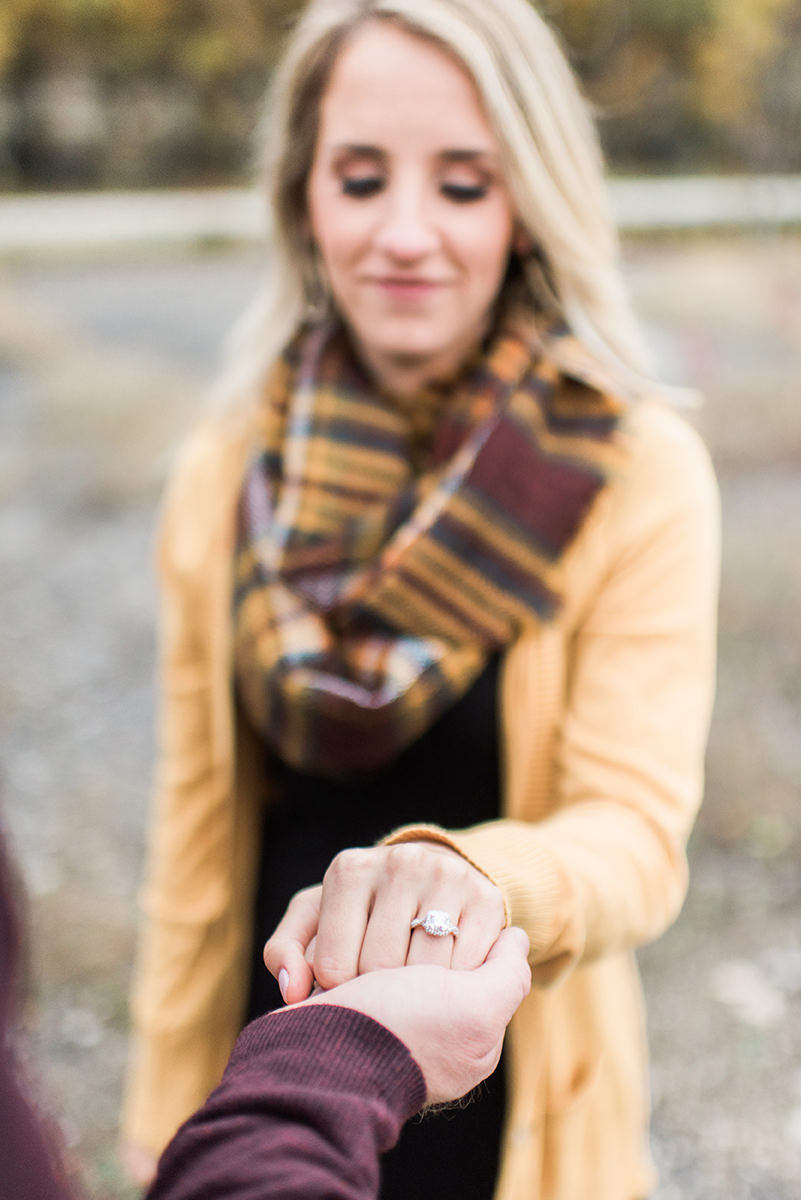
(338, 934)
(453, 1024)
(360, 918)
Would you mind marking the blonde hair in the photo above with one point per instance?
(554, 171)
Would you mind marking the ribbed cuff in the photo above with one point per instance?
(339, 1048)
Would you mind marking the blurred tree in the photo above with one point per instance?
(166, 91)
(741, 41)
(690, 83)
(737, 69)
(132, 91)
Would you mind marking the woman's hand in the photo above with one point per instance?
(359, 918)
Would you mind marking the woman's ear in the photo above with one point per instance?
(319, 302)
(522, 242)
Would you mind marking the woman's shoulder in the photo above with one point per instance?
(202, 487)
(666, 457)
(662, 493)
(208, 463)
(213, 448)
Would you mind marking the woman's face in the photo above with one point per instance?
(407, 205)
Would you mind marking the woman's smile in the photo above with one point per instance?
(397, 287)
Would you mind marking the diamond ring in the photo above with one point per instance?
(437, 923)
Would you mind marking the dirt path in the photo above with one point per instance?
(101, 366)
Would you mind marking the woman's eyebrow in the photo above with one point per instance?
(455, 155)
(358, 150)
(488, 157)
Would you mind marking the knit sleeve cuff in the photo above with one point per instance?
(327, 1046)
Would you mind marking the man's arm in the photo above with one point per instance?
(310, 1099)
(314, 1094)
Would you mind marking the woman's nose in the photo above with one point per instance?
(407, 232)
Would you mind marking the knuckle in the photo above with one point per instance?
(446, 870)
(275, 949)
(489, 894)
(276, 955)
(403, 860)
(396, 856)
(417, 860)
(348, 864)
(301, 899)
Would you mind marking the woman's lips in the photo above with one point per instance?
(407, 289)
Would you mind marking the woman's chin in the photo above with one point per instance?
(415, 352)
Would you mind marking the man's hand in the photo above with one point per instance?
(453, 1022)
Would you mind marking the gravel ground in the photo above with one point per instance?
(103, 363)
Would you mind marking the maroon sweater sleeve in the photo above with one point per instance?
(30, 1165)
(310, 1098)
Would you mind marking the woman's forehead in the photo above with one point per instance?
(387, 83)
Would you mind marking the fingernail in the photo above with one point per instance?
(283, 982)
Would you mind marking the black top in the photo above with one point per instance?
(451, 777)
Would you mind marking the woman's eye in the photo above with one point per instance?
(362, 186)
(464, 193)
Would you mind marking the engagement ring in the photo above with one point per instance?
(437, 923)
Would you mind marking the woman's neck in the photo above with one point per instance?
(405, 376)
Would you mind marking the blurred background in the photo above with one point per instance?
(152, 92)
(128, 246)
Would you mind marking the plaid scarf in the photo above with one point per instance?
(384, 551)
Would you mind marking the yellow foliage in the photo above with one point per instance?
(680, 72)
(730, 59)
(13, 14)
(136, 12)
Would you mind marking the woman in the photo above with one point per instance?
(473, 569)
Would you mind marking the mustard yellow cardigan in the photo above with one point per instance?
(604, 718)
